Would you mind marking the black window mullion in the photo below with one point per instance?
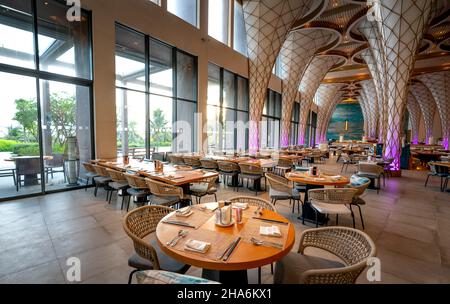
(235, 110)
(174, 93)
(147, 97)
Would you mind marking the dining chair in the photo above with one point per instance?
(9, 172)
(54, 165)
(209, 164)
(360, 184)
(138, 190)
(27, 166)
(164, 194)
(251, 172)
(346, 161)
(437, 171)
(176, 160)
(102, 179)
(260, 203)
(118, 183)
(351, 246)
(283, 166)
(90, 173)
(372, 171)
(193, 162)
(139, 224)
(332, 201)
(281, 188)
(228, 169)
(204, 187)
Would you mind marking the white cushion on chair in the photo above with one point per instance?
(325, 208)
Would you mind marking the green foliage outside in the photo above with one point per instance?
(60, 120)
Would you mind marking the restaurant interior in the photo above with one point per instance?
(224, 141)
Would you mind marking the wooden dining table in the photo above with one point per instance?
(245, 256)
(315, 182)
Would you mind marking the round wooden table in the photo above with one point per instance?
(245, 256)
(315, 182)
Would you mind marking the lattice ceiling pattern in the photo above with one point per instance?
(427, 106)
(414, 117)
(309, 84)
(439, 85)
(402, 27)
(368, 87)
(267, 24)
(296, 54)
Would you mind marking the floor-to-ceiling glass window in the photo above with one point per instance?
(270, 124)
(312, 141)
(227, 110)
(293, 138)
(156, 95)
(45, 95)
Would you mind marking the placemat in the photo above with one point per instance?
(197, 218)
(251, 229)
(219, 243)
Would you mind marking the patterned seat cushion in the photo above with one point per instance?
(356, 180)
(165, 277)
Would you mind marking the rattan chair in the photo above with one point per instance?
(228, 169)
(251, 172)
(371, 171)
(164, 194)
(284, 166)
(119, 183)
(282, 189)
(256, 202)
(175, 159)
(193, 162)
(140, 223)
(138, 191)
(353, 247)
(332, 201)
(360, 184)
(204, 187)
(90, 173)
(102, 179)
(209, 164)
(346, 161)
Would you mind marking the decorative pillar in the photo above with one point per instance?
(402, 26)
(427, 106)
(368, 87)
(439, 85)
(310, 82)
(267, 24)
(296, 54)
(414, 117)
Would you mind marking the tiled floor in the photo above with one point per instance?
(410, 225)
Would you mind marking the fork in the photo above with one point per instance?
(264, 243)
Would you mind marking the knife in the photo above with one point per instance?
(271, 221)
(235, 243)
(179, 224)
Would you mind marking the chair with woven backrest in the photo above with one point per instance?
(175, 159)
(54, 165)
(283, 166)
(193, 162)
(164, 194)
(209, 164)
(332, 201)
(251, 172)
(351, 246)
(102, 179)
(346, 161)
(371, 171)
(140, 223)
(204, 187)
(360, 184)
(139, 189)
(90, 173)
(228, 169)
(119, 183)
(260, 203)
(282, 189)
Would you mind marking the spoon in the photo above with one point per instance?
(180, 233)
(262, 243)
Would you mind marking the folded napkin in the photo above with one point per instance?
(270, 231)
(240, 205)
(184, 212)
(336, 177)
(197, 246)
